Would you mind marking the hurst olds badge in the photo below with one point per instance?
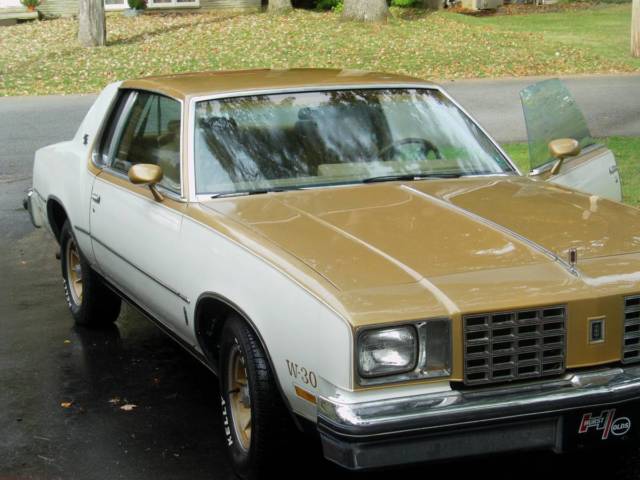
(605, 422)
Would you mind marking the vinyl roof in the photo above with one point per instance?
(182, 86)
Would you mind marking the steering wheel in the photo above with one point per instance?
(387, 151)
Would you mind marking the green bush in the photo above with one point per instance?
(338, 5)
(137, 4)
(328, 4)
(403, 3)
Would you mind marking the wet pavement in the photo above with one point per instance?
(62, 387)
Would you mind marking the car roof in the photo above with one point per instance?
(185, 85)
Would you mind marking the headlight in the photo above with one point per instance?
(388, 351)
(415, 351)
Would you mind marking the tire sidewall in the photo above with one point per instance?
(235, 335)
(66, 235)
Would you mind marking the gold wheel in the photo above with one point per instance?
(74, 272)
(239, 397)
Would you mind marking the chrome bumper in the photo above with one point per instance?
(27, 203)
(460, 423)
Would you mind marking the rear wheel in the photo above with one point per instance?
(257, 425)
(90, 301)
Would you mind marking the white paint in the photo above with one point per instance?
(598, 176)
(10, 3)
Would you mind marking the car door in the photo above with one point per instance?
(551, 112)
(136, 239)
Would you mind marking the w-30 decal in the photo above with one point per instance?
(605, 422)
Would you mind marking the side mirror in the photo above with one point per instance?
(147, 174)
(560, 149)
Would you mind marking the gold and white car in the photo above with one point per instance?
(352, 252)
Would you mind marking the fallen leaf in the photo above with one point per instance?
(66, 404)
(67, 341)
(114, 400)
(128, 407)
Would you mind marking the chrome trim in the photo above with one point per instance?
(128, 262)
(514, 344)
(29, 205)
(631, 330)
(82, 230)
(120, 123)
(521, 238)
(194, 197)
(454, 408)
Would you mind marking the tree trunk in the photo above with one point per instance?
(365, 10)
(635, 29)
(92, 31)
(279, 6)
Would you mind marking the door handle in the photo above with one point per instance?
(95, 197)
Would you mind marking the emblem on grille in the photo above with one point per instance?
(596, 329)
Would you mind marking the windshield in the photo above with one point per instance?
(551, 112)
(296, 140)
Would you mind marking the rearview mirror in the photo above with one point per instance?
(147, 174)
(560, 149)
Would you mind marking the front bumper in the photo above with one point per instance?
(455, 424)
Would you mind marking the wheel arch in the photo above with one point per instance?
(210, 314)
(56, 216)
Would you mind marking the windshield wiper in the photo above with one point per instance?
(410, 176)
(252, 192)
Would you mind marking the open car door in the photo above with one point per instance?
(551, 113)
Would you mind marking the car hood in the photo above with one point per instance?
(377, 235)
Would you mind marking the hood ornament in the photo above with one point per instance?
(573, 257)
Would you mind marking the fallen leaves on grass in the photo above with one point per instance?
(43, 57)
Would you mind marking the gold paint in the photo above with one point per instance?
(147, 174)
(562, 148)
(362, 250)
(183, 86)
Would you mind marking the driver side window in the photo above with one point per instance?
(151, 134)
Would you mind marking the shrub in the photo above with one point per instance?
(403, 3)
(328, 4)
(137, 4)
(30, 3)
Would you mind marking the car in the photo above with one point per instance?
(354, 256)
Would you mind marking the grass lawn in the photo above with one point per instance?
(626, 150)
(603, 30)
(43, 58)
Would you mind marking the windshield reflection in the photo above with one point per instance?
(280, 141)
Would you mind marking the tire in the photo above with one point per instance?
(271, 429)
(90, 301)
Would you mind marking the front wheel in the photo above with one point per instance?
(257, 426)
(90, 301)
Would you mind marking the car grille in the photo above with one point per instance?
(507, 346)
(631, 340)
